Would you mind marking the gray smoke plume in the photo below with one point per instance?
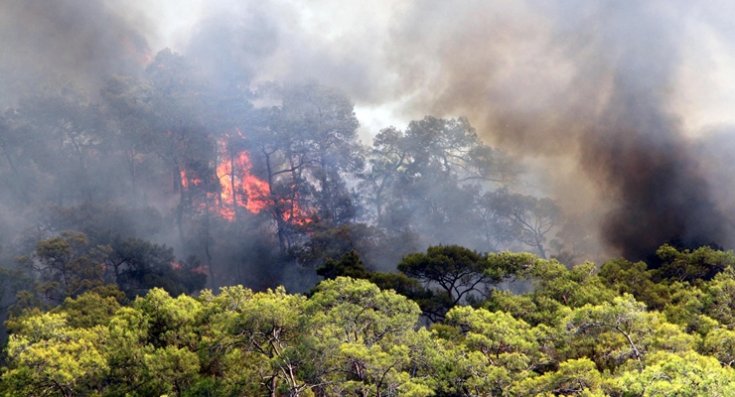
(577, 80)
(585, 88)
(585, 83)
(73, 44)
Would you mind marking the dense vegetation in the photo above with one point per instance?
(141, 187)
(449, 324)
(177, 177)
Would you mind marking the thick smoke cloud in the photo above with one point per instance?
(547, 78)
(71, 44)
(632, 144)
(587, 89)
(586, 86)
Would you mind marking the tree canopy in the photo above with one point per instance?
(578, 331)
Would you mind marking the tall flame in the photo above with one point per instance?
(240, 188)
(184, 178)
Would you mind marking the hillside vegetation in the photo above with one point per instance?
(620, 329)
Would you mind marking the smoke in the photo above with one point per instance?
(632, 144)
(72, 44)
(592, 83)
(587, 88)
(586, 82)
(587, 91)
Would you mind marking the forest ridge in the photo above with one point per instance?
(329, 198)
(168, 179)
(618, 330)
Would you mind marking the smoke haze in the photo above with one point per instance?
(589, 94)
(68, 43)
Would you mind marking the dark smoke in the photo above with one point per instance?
(659, 194)
(73, 44)
(586, 89)
(635, 149)
(591, 81)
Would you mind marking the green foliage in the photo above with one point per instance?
(172, 369)
(717, 299)
(67, 266)
(51, 358)
(89, 309)
(570, 335)
(358, 311)
(169, 321)
(685, 306)
(349, 265)
(670, 374)
(692, 265)
(556, 288)
(456, 270)
(573, 287)
(502, 265)
(615, 332)
(627, 277)
(433, 304)
(577, 377)
(493, 333)
(720, 343)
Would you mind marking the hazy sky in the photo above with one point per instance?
(593, 93)
(355, 33)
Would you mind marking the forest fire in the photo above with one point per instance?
(186, 180)
(240, 188)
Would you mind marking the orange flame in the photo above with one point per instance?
(184, 179)
(240, 188)
(293, 212)
(178, 266)
(187, 180)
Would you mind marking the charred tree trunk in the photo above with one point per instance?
(276, 209)
(182, 202)
(328, 210)
(207, 251)
(232, 184)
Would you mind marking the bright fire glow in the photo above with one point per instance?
(240, 188)
(187, 180)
